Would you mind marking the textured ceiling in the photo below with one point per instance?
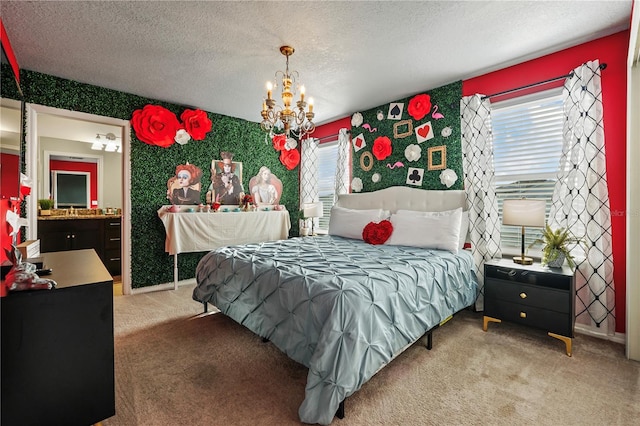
(351, 56)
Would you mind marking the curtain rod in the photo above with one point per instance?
(334, 136)
(528, 86)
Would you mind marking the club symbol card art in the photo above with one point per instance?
(414, 176)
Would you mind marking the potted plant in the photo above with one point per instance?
(557, 245)
(45, 206)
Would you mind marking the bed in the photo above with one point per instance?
(339, 305)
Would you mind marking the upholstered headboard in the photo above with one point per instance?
(395, 198)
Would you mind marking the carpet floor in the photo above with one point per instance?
(177, 366)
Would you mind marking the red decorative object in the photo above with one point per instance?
(155, 125)
(377, 233)
(196, 123)
(279, 142)
(290, 158)
(382, 147)
(419, 106)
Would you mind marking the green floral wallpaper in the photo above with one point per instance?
(440, 127)
(152, 166)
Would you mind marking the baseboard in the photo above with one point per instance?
(165, 286)
(587, 331)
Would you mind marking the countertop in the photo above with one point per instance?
(83, 216)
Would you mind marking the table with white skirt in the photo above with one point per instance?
(189, 230)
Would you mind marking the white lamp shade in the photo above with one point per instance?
(313, 210)
(524, 212)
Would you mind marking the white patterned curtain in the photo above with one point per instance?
(580, 199)
(309, 172)
(344, 164)
(479, 184)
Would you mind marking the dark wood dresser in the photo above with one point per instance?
(57, 364)
(531, 295)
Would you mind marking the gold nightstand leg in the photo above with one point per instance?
(567, 341)
(486, 320)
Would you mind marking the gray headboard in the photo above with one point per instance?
(405, 198)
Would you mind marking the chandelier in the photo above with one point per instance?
(294, 120)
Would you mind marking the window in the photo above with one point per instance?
(327, 163)
(527, 139)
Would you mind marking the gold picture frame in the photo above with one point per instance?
(433, 152)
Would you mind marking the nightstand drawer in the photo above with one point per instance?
(524, 276)
(529, 295)
(551, 321)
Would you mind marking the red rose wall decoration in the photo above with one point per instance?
(382, 147)
(156, 125)
(290, 158)
(279, 141)
(196, 123)
(419, 106)
(377, 233)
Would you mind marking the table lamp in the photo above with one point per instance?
(524, 212)
(313, 210)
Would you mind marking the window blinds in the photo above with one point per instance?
(527, 142)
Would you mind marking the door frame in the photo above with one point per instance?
(31, 163)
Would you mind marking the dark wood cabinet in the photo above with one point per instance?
(57, 364)
(113, 245)
(101, 234)
(531, 295)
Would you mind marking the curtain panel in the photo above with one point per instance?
(581, 199)
(343, 167)
(479, 184)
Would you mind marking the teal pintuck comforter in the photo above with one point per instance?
(339, 306)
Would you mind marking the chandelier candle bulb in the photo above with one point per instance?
(301, 93)
(269, 89)
(310, 104)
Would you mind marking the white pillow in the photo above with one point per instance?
(464, 223)
(349, 223)
(437, 231)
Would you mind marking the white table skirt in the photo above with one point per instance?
(195, 231)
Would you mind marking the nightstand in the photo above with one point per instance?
(532, 295)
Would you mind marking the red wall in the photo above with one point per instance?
(76, 166)
(611, 50)
(332, 128)
(9, 180)
(9, 175)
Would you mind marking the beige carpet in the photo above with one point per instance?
(176, 367)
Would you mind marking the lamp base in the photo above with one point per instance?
(523, 260)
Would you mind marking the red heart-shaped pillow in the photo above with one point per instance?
(377, 233)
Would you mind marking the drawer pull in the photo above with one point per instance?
(114, 259)
(523, 314)
(114, 239)
(510, 272)
(523, 295)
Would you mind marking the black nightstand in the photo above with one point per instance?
(532, 295)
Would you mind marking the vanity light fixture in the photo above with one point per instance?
(110, 146)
